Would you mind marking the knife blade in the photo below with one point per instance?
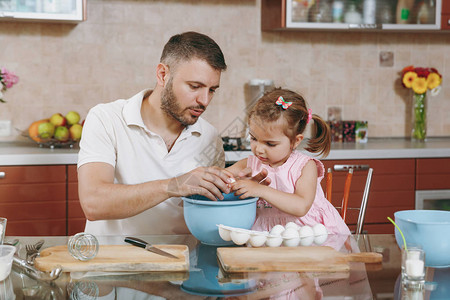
(143, 244)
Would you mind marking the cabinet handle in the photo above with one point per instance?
(341, 168)
(365, 26)
(2, 175)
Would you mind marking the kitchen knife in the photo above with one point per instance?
(143, 244)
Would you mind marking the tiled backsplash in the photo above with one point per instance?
(113, 55)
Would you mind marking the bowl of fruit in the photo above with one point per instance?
(58, 131)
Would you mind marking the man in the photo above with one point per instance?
(137, 155)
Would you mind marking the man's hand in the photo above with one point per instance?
(206, 181)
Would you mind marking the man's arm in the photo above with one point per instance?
(102, 199)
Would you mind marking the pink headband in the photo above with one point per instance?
(309, 116)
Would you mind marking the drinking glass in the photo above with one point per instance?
(2, 229)
(413, 266)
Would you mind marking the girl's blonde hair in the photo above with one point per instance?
(295, 117)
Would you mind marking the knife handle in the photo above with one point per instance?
(136, 241)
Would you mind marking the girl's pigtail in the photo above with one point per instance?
(320, 141)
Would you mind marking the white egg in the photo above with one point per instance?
(274, 240)
(240, 236)
(306, 231)
(292, 224)
(320, 239)
(290, 233)
(225, 233)
(277, 230)
(307, 241)
(319, 229)
(258, 238)
(291, 242)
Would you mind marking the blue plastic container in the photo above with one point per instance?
(428, 228)
(226, 197)
(203, 216)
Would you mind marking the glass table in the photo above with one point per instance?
(206, 280)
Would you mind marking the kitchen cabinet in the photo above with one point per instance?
(33, 199)
(432, 173)
(445, 17)
(363, 15)
(70, 11)
(392, 189)
(75, 216)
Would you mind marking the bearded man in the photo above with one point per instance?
(138, 156)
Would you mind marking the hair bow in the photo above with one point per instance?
(309, 116)
(284, 104)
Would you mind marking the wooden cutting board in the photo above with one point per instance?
(290, 259)
(115, 258)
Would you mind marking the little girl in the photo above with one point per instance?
(276, 123)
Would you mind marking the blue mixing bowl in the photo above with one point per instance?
(428, 228)
(226, 197)
(203, 216)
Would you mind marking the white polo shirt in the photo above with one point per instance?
(114, 133)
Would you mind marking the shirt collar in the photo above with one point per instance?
(132, 116)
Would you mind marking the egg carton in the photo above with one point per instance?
(292, 235)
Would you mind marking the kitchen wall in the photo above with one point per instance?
(114, 53)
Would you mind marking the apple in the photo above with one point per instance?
(33, 130)
(72, 117)
(58, 119)
(75, 132)
(46, 130)
(61, 133)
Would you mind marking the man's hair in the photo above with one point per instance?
(193, 45)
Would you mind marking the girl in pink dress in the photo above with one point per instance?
(277, 122)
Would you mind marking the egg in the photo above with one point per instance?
(292, 224)
(306, 231)
(291, 237)
(307, 241)
(319, 229)
(291, 242)
(274, 240)
(320, 239)
(225, 232)
(258, 238)
(277, 230)
(290, 233)
(240, 236)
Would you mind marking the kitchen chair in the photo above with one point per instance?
(344, 205)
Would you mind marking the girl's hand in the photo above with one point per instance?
(246, 188)
(261, 177)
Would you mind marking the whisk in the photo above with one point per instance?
(83, 246)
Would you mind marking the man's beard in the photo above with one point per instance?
(169, 104)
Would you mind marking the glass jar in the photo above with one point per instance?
(320, 12)
(338, 11)
(352, 15)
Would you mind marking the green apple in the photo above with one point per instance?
(46, 130)
(72, 117)
(75, 132)
(58, 119)
(61, 133)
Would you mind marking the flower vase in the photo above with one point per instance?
(419, 117)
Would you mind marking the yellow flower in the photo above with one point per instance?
(408, 79)
(433, 80)
(419, 85)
